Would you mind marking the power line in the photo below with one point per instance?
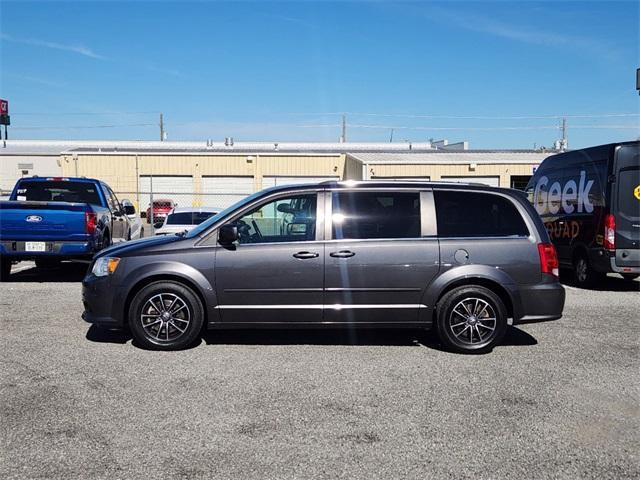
(73, 127)
(473, 117)
(56, 114)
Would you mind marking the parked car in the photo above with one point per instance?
(185, 218)
(137, 229)
(53, 219)
(589, 200)
(161, 208)
(468, 260)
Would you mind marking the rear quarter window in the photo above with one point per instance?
(477, 214)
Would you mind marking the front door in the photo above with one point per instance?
(380, 257)
(274, 272)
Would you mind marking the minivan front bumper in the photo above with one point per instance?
(102, 301)
(541, 302)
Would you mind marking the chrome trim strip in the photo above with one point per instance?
(271, 290)
(336, 306)
(365, 289)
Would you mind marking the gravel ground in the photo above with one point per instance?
(557, 400)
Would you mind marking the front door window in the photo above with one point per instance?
(290, 219)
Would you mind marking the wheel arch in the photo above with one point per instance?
(190, 278)
(489, 284)
(494, 279)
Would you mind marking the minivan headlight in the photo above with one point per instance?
(105, 266)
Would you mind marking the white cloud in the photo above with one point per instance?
(77, 49)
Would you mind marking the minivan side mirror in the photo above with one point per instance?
(227, 234)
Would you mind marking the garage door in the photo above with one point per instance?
(493, 181)
(272, 181)
(178, 188)
(223, 191)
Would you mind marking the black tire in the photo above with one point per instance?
(5, 269)
(141, 232)
(464, 319)
(166, 307)
(106, 240)
(47, 262)
(584, 276)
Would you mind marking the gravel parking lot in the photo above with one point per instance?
(558, 399)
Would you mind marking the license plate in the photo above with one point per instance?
(35, 246)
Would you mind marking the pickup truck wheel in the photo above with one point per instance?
(47, 262)
(471, 319)
(166, 315)
(583, 273)
(106, 240)
(5, 269)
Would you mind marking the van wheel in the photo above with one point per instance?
(471, 319)
(583, 273)
(5, 269)
(166, 315)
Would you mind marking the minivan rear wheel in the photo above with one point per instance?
(166, 315)
(471, 319)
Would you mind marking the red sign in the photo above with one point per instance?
(4, 107)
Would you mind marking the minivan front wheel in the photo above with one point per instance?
(166, 315)
(471, 319)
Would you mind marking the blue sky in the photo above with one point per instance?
(286, 70)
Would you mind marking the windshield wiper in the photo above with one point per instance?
(182, 233)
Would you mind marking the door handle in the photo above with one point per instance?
(342, 254)
(304, 255)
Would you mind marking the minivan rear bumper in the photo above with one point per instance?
(541, 303)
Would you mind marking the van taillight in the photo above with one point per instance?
(90, 219)
(548, 259)
(610, 232)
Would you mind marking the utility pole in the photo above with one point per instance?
(343, 138)
(161, 128)
(391, 136)
(563, 129)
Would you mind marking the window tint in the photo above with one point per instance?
(376, 215)
(472, 214)
(629, 193)
(58, 191)
(188, 218)
(290, 219)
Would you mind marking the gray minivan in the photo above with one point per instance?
(469, 260)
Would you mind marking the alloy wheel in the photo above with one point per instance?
(473, 321)
(165, 317)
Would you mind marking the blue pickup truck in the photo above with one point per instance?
(54, 219)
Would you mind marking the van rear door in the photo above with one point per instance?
(626, 205)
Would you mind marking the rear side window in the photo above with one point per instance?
(360, 215)
(57, 191)
(476, 214)
(188, 218)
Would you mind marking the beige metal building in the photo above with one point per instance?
(218, 174)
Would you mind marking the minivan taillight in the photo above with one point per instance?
(90, 220)
(610, 232)
(548, 259)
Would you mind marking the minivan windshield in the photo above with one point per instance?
(206, 224)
